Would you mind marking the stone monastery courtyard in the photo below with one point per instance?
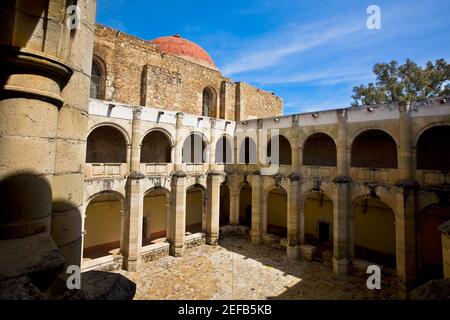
(238, 270)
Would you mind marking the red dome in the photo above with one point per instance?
(185, 49)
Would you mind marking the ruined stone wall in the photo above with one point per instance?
(254, 103)
(138, 73)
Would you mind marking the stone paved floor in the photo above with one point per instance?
(238, 270)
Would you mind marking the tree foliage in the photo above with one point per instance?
(407, 82)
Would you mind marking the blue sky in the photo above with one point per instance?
(311, 53)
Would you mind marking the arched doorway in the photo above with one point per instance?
(319, 150)
(195, 206)
(374, 231)
(429, 242)
(247, 151)
(277, 212)
(106, 144)
(374, 149)
(154, 227)
(224, 151)
(156, 148)
(282, 145)
(224, 214)
(102, 226)
(245, 205)
(194, 148)
(319, 221)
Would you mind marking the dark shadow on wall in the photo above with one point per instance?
(36, 245)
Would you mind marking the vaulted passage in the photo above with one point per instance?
(277, 212)
(194, 209)
(106, 144)
(319, 150)
(194, 149)
(247, 151)
(374, 232)
(282, 151)
(319, 221)
(433, 149)
(245, 205)
(156, 148)
(429, 243)
(102, 226)
(154, 227)
(374, 149)
(224, 150)
(224, 217)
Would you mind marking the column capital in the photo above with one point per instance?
(342, 180)
(179, 174)
(295, 177)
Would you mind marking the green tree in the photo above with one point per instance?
(408, 82)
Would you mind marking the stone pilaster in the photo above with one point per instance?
(293, 217)
(234, 207)
(405, 237)
(177, 228)
(405, 154)
(179, 142)
(212, 147)
(257, 209)
(341, 207)
(213, 207)
(133, 226)
(136, 139)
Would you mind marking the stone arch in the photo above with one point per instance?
(247, 151)
(319, 149)
(106, 144)
(209, 102)
(195, 148)
(374, 231)
(103, 224)
(428, 238)
(318, 220)
(433, 148)
(98, 78)
(195, 208)
(284, 156)
(224, 150)
(156, 215)
(374, 148)
(276, 222)
(245, 204)
(156, 147)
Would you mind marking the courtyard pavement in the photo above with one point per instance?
(237, 270)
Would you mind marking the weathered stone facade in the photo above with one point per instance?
(139, 73)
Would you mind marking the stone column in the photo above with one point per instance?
(177, 228)
(212, 147)
(44, 93)
(405, 237)
(445, 236)
(405, 154)
(135, 214)
(293, 217)
(129, 158)
(136, 140)
(179, 143)
(134, 200)
(213, 207)
(341, 201)
(257, 207)
(234, 207)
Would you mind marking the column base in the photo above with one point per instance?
(176, 250)
(212, 240)
(340, 266)
(255, 238)
(293, 252)
(131, 265)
